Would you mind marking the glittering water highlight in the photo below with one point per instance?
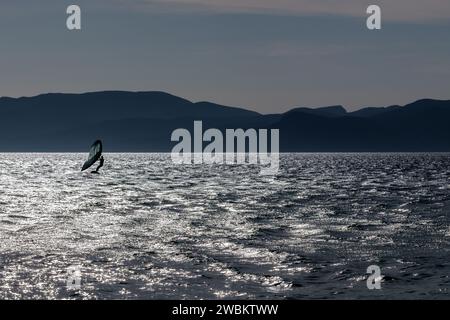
(148, 229)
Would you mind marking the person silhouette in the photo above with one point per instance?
(102, 161)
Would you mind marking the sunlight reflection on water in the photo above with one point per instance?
(146, 228)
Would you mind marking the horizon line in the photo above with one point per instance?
(203, 101)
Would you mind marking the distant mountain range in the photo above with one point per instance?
(144, 121)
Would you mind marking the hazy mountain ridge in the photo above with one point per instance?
(143, 121)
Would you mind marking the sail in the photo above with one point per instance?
(94, 154)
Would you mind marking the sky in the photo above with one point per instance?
(264, 55)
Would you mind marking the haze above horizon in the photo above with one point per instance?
(263, 55)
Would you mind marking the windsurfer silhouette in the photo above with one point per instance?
(102, 161)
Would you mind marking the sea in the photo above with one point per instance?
(146, 228)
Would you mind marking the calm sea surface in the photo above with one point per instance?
(146, 228)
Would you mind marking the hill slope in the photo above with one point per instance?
(144, 121)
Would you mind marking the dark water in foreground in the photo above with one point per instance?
(146, 228)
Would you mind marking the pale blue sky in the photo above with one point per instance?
(266, 55)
